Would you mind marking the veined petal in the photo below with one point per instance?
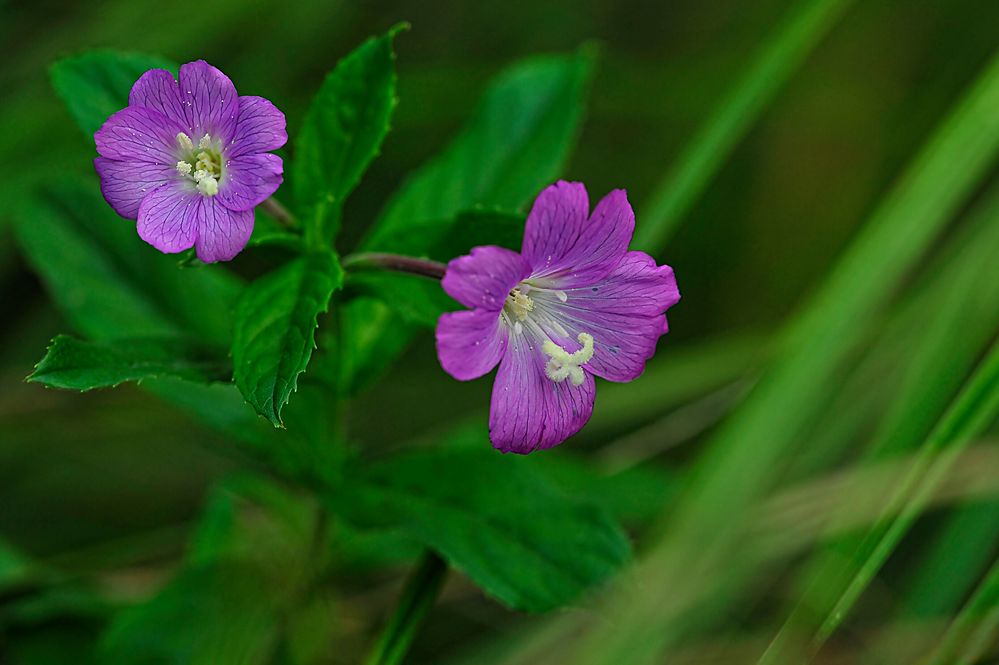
(260, 127)
(529, 411)
(484, 277)
(470, 343)
(249, 179)
(139, 134)
(222, 233)
(125, 183)
(211, 101)
(624, 312)
(562, 244)
(168, 217)
(157, 89)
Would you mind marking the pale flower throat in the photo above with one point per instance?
(203, 167)
(561, 365)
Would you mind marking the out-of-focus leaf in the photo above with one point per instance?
(252, 562)
(94, 85)
(77, 365)
(416, 299)
(108, 282)
(343, 130)
(217, 614)
(275, 327)
(444, 240)
(501, 158)
(491, 517)
(371, 335)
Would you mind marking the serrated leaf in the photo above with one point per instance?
(108, 283)
(96, 84)
(343, 130)
(493, 518)
(274, 329)
(515, 144)
(78, 365)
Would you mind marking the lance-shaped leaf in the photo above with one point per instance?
(516, 142)
(78, 365)
(343, 130)
(275, 327)
(493, 518)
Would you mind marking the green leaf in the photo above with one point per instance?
(444, 240)
(108, 283)
(96, 84)
(493, 518)
(501, 158)
(250, 571)
(78, 365)
(275, 326)
(418, 300)
(209, 615)
(343, 131)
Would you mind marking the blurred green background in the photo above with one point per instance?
(105, 485)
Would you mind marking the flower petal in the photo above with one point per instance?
(211, 101)
(125, 183)
(248, 180)
(260, 127)
(168, 217)
(139, 134)
(529, 411)
(222, 233)
(484, 277)
(562, 244)
(157, 89)
(625, 313)
(470, 343)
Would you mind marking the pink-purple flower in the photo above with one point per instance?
(189, 159)
(573, 304)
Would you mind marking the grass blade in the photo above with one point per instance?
(705, 154)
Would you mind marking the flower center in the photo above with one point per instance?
(203, 164)
(520, 304)
(564, 365)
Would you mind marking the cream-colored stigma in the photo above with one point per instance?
(520, 304)
(205, 168)
(564, 365)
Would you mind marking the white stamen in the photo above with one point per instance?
(564, 365)
(208, 186)
(205, 142)
(184, 141)
(184, 168)
(518, 328)
(561, 295)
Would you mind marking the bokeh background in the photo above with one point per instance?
(106, 485)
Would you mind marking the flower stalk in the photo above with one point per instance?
(396, 262)
(419, 595)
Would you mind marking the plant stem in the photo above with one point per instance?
(275, 209)
(397, 262)
(421, 591)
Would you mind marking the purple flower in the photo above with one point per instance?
(189, 160)
(573, 304)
